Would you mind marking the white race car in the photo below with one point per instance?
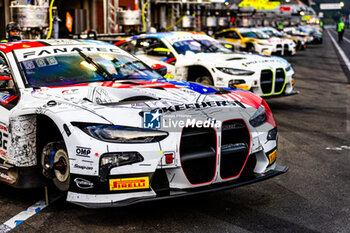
(299, 41)
(110, 131)
(202, 59)
(254, 40)
(281, 46)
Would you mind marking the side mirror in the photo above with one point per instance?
(228, 46)
(161, 69)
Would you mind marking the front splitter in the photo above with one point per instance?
(278, 170)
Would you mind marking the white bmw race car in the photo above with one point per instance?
(110, 131)
(202, 59)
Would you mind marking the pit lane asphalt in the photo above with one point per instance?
(345, 47)
(314, 196)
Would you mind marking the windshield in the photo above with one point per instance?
(250, 35)
(272, 33)
(200, 46)
(73, 68)
(256, 35)
(262, 35)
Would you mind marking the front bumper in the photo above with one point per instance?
(125, 199)
(282, 95)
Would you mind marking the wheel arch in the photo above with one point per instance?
(30, 132)
(196, 71)
(248, 45)
(47, 131)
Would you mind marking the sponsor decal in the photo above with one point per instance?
(129, 183)
(3, 141)
(49, 51)
(70, 91)
(5, 99)
(181, 107)
(209, 123)
(152, 120)
(83, 184)
(260, 61)
(83, 167)
(83, 151)
(169, 76)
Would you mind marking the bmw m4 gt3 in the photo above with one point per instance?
(202, 59)
(109, 130)
(253, 40)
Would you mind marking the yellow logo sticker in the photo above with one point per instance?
(169, 76)
(243, 87)
(272, 156)
(129, 183)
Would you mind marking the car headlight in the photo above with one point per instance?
(264, 44)
(120, 158)
(117, 159)
(272, 134)
(289, 68)
(122, 134)
(234, 71)
(259, 117)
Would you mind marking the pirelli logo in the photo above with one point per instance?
(129, 183)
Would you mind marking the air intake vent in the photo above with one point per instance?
(234, 148)
(266, 80)
(279, 80)
(198, 154)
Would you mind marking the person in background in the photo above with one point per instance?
(321, 25)
(13, 32)
(340, 29)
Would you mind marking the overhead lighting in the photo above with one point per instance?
(341, 4)
(302, 13)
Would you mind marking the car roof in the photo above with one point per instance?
(245, 29)
(25, 44)
(162, 35)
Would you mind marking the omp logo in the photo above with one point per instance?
(83, 184)
(129, 183)
(152, 120)
(83, 151)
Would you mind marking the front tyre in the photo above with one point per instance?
(55, 164)
(206, 80)
(250, 48)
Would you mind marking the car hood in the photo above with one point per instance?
(276, 40)
(241, 60)
(123, 103)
